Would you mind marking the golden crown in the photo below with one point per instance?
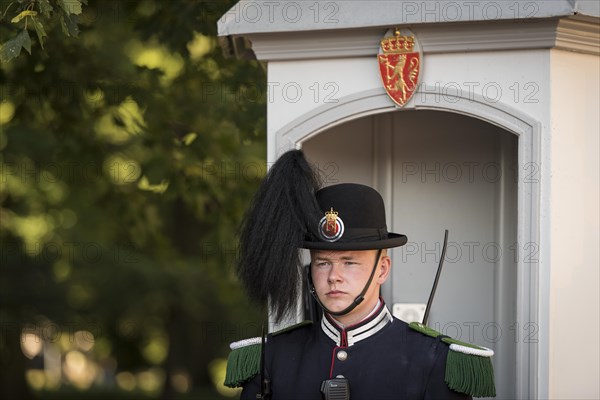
(331, 215)
(398, 44)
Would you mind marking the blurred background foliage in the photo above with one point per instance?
(130, 149)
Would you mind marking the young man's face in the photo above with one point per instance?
(340, 276)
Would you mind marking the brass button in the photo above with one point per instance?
(342, 355)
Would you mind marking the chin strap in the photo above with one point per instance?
(354, 303)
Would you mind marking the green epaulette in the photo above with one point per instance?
(243, 362)
(468, 367)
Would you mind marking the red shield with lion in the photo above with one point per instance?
(399, 66)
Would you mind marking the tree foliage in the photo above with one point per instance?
(33, 15)
(130, 149)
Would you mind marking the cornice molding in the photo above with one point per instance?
(493, 36)
(578, 35)
(316, 44)
(571, 34)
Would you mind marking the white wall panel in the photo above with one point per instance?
(574, 202)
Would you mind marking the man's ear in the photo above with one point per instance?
(385, 267)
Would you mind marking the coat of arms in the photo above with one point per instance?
(331, 226)
(399, 65)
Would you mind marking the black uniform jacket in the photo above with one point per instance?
(384, 359)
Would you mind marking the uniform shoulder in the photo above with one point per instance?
(243, 362)
(299, 327)
(468, 367)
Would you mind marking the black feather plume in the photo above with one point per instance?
(283, 211)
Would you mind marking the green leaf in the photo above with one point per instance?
(70, 6)
(144, 184)
(26, 43)
(39, 29)
(189, 138)
(23, 14)
(69, 25)
(12, 48)
(45, 7)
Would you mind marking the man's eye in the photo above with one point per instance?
(323, 264)
(351, 263)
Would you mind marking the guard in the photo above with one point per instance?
(357, 350)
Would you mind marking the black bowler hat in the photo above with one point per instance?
(291, 212)
(353, 218)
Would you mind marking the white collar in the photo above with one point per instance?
(352, 334)
(373, 311)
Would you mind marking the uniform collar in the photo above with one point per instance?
(352, 334)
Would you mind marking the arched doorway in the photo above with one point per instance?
(441, 170)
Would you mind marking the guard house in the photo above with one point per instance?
(492, 133)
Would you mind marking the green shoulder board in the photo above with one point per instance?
(468, 367)
(244, 361)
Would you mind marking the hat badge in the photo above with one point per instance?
(331, 226)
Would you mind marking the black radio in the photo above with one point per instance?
(336, 389)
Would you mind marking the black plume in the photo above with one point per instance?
(283, 211)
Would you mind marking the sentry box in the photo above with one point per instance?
(480, 117)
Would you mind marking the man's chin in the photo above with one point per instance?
(336, 305)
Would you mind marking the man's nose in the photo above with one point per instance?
(334, 273)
